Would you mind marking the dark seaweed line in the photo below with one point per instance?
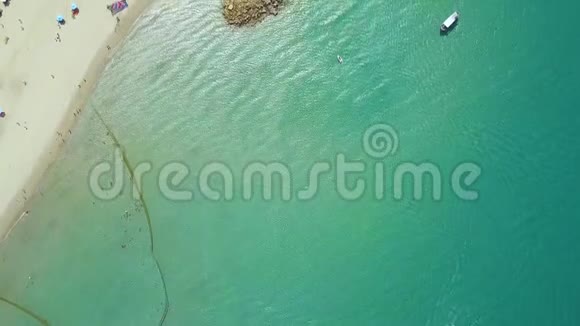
(26, 311)
(43, 321)
(146, 211)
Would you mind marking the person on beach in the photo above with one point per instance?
(2, 113)
(75, 10)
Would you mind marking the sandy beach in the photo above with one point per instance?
(46, 74)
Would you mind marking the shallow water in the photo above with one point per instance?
(499, 91)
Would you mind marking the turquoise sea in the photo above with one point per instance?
(500, 90)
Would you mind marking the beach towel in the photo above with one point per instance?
(117, 7)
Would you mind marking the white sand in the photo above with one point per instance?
(38, 111)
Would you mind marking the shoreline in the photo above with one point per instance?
(23, 184)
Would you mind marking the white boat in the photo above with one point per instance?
(339, 58)
(449, 22)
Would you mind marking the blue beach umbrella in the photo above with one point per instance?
(74, 6)
(59, 18)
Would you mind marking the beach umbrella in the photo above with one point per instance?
(74, 6)
(60, 19)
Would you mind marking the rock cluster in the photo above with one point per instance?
(249, 12)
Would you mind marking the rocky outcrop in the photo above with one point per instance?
(249, 12)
